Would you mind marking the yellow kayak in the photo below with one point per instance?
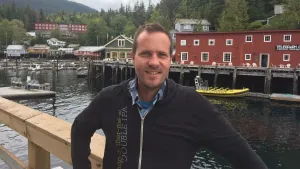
(224, 92)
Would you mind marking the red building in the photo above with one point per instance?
(49, 26)
(268, 48)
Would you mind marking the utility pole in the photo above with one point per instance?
(97, 40)
(6, 49)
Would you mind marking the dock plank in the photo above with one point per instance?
(285, 97)
(13, 93)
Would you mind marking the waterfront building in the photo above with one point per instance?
(263, 48)
(119, 48)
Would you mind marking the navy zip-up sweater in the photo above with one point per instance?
(168, 137)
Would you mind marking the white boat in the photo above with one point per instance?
(61, 66)
(82, 68)
(35, 67)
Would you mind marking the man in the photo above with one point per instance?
(150, 122)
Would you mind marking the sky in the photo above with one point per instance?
(114, 4)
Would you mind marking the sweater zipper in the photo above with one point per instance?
(141, 136)
(141, 143)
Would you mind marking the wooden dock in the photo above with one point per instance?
(285, 97)
(20, 93)
(120, 70)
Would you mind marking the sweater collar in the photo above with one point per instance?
(132, 87)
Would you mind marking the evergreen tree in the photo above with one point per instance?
(234, 17)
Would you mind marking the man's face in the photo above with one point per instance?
(152, 59)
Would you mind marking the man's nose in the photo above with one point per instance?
(154, 60)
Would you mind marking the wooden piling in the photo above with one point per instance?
(131, 73)
(121, 74)
(103, 74)
(295, 82)
(113, 74)
(199, 71)
(126, 71)
(216, 77)
(181, 75)
(117, 73)
(234, 78)
(268, 78)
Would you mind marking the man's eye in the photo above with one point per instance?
(162, 55)
(145, 54)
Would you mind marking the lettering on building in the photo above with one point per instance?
(288, 47)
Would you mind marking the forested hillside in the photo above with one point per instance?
(50, 5)
(224, 15)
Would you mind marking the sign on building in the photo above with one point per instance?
(288, 47)
(278, 9)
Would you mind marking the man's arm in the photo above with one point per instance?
(83, 128)
(219, 136)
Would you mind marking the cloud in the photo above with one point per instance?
(113, 4)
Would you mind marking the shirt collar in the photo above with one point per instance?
(132, 87)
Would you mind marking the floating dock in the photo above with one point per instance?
(20, 93)
(258, 95)
(285, 97)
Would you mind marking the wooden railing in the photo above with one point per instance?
(46, 134)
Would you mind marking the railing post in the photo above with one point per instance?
(38, 158)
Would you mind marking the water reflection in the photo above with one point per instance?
(272, 128)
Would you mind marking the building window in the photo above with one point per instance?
(184, 56)
(204, 56)
(247, 56)
(227, 57)
(196, 42)
(267, 38)
(122, 55)
(174, 35)
(287, 38)
(211, 42)
(228, 41)
(248, 38)
(114, 55)
(107, 55)
(187, 27)
(121, 42)
(183, 42)
(286, 57)
(205, 27)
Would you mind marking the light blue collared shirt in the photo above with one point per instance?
(132, 87)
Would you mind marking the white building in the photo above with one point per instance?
(66, 50)
(15, 50)
(55, 42)
(188, 25)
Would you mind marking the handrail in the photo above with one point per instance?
(46, 134)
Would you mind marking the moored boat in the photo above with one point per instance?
(35, 67)
(203, 88)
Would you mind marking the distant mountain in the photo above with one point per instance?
(51, 6)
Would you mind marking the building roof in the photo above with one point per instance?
(55, 40)
(65, 49)
(14, 47)
(123, 36)
(91, 48)
(31, 34)
(239, 32)
(192, 21)
(73, 45)
(39, 46)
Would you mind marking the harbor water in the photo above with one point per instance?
(271, 128)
